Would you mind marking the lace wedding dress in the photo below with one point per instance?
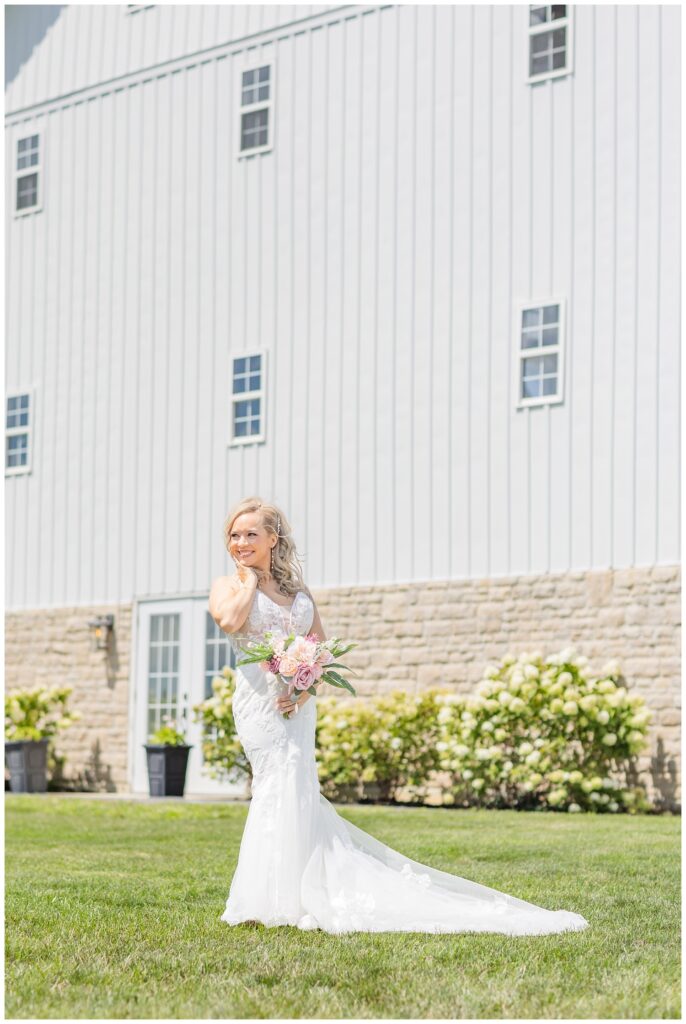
(301, 863)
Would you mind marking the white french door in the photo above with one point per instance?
(179, 650)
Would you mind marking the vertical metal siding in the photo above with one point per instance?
(417, 189)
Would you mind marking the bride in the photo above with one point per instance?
(301, 863)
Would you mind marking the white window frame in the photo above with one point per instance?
(524, 353)
(548, 26)
(242, 396)
(250, 108)
(36, 169)
(13, 431)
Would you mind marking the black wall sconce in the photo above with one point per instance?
(101, 628)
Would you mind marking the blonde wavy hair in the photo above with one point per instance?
(286, 567)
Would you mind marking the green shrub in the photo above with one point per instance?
(536, 734)
(545, 734)
(373, 748)
(223, 755)
(38, 714)
(167, 735)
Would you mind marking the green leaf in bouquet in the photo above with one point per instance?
(337, 680)
(339, 664)
(342, 650)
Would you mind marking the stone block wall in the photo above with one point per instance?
(445, 632)
(414, 635)
(52, 647)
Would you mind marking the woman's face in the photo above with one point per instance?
(250, 543)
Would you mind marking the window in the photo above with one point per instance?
(247, 399)
(256, 111)
(163, 671)
(550, 41)
(27, 174)
(18, 434)
(218, 653)
(540, 331)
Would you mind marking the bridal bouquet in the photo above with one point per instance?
(301, 662)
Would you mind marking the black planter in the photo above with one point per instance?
(27, 761)
(167, 768)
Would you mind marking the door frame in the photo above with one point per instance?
(191, 672)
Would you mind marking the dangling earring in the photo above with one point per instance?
(271, 564)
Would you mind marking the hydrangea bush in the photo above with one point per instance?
(545, 733)
(371, 749)
(223, 754)
(39, 713)
(536, 734)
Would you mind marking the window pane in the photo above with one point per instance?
(239, 366)
(550, 386)
(531, 317)
(558, 11)
(255, 362)
(550, 336)
(264, 74)
(240, 428)
(537, 15)
(263, 92)
(559, 59)
(540, 43)
(539, 65)
(551, 314)
(531, 339)
(255, 427)
(558, 37)
(238, 385)
(531, 366)
(27, 191)
(531, 389)
(248, 77)
(550, 363)
(255, 382)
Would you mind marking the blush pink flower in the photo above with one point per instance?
(287, 665)
(304, 677)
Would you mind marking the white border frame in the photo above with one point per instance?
(248, 108)
(243, 395)
(12, 431)
(520, 353)
(25, 133)
(547, 26)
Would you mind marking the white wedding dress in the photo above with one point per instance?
(301, 863)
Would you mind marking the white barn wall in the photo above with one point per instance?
(376, 255)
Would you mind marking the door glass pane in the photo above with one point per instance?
(163, 668)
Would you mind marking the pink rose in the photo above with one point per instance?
(325, 656)
(304, 677)
(287, 665)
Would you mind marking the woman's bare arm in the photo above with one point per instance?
(230, 600)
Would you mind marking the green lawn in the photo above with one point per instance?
(112, 910)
